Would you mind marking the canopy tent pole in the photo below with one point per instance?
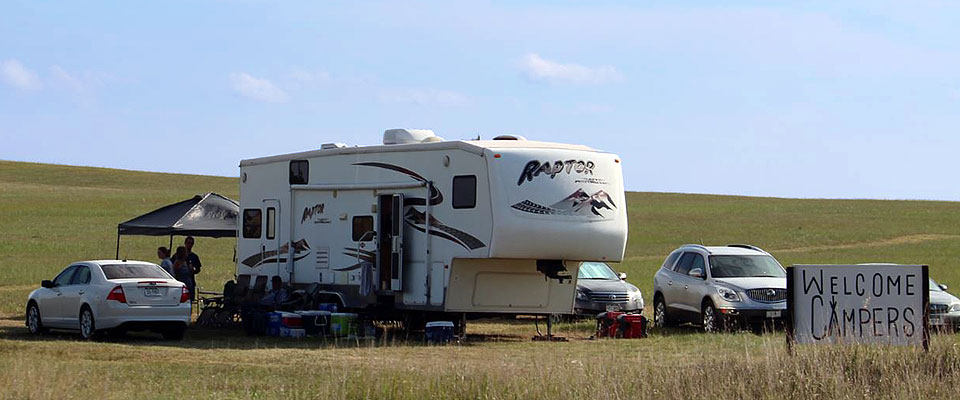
(170, 247)
(118, 243)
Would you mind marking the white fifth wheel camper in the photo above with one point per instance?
(422, 224)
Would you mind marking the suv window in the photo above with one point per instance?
(740, 266)
(82, 277)
(64, 278)
(698, 263)
(671, 259)
(683, 267)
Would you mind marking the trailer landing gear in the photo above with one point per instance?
(549, 337)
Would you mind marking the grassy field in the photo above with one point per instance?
(51, 215)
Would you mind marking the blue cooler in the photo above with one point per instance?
(277, 320)
(274, 322)
(439, 332)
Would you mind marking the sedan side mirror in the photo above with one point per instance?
(46, 284)
(622, 276)
(943, 287)
(696, 273)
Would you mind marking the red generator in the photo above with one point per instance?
(632, 326)
(615, 324)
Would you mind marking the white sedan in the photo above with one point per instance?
(96, 296)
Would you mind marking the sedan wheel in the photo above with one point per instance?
(88, 328)
(34, 325)
(710, 322)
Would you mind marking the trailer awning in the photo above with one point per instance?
(208, 215)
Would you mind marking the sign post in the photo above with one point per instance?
(868, 303)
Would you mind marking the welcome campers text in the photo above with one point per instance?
(846, 302)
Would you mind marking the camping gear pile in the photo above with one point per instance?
(615, 324)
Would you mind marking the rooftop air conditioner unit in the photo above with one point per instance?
(407, 136)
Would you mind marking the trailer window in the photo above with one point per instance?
(299, 172)
(271, 222)
(252, 221)
(465, 191)
(362, 226)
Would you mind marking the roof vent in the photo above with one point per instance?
(509, 137)
(328, 146)
(407, 136)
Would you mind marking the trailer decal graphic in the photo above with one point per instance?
(309, 212)
(535, 168)
(578, 203)
(361, 256)
(417, 219)
(435, 196)
(300, 250)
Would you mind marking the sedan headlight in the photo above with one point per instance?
(728, 294)
(581, 295)
(637, 297)
(954, 307)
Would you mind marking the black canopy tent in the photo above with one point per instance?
(208, 215)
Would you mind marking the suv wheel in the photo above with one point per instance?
(660, 319)
(711, 320)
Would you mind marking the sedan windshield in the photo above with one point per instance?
(934, 286)
(122, 271)
(596, 270)
(745, 266)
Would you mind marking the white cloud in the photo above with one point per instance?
(256, 88)
(13, 73)
(307, 77)
(425, 97)
(539, 69)
(67, 80)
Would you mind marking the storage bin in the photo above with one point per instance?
(439, 332)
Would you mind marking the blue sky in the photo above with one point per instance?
(794, 99)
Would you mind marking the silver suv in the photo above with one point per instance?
(719, 287)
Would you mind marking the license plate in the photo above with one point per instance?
(773, 314)
(936, 320)
(613, 307)
(151, 292)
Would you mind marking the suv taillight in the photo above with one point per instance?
(184, 294)
(117, 295)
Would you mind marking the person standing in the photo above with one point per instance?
(193, 261)
(182, 270)
(166, 263)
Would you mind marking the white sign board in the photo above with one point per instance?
(868, 303)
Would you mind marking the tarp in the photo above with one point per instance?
(208, 215)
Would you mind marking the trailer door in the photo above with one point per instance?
(270, 244)
(390, 233)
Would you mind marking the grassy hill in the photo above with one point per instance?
(51, 215)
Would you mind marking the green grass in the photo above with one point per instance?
(51, 215)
